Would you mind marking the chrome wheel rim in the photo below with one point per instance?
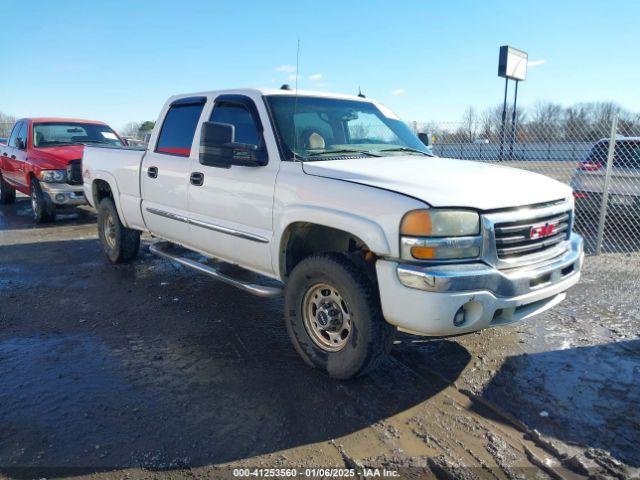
(34, 203)
(109, 229)
(327, 317)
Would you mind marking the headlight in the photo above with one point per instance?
(53, 176)
(440, 234)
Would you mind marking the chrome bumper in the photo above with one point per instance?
(63, 194)
(502, 283)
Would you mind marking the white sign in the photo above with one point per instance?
(512, 63)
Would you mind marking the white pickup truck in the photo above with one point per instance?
(332, 201)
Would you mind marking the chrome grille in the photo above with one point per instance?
(525, 237)
(74, 172)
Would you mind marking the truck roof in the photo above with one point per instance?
(620, 138)
(272, 91)
(60, 119)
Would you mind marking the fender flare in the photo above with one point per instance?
(364, 228)
(113, 185)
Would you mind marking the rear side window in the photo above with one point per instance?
(626, 154)
(178, 129)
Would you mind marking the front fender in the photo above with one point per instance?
(365, 229)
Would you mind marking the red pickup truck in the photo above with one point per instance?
(42, 159)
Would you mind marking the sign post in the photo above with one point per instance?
(512, 65)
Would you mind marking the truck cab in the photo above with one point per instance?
(41, 159)
(332, 201)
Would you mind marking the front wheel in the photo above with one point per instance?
(43, 208)
(333, 316)
(119, 243)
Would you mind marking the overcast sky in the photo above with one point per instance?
(118, 60)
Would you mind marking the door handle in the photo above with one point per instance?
(152, 172)
(196, 178)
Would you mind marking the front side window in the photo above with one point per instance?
(14, 134)
(21, 140)
(56, 134)
(242, 120)
(317, 128)
(179, 128)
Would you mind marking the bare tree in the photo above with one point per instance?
(6, 123)
(544, 122)
(131, 129)
(470, 125)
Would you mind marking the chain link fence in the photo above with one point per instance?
(600, 161)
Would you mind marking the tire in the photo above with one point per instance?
(7, 192)
(119, 243)
(43, 208)
(358, 338)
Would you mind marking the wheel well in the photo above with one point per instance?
(101, 189)
(303, 239)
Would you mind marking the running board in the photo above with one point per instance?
(163, 249)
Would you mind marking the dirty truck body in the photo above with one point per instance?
(334, 202)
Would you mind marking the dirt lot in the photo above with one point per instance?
(151, 370)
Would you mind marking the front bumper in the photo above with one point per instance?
(425, 299)
(63, 194)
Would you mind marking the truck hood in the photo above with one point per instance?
(445, 182)
(56, 158)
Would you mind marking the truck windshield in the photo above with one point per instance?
(55, 134)
(318, 128)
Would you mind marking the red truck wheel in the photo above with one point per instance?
(7, 192)
(43, 208)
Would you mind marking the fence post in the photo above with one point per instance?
(605, 190)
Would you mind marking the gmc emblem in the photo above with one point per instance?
(542, 231)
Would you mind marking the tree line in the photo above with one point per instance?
(544, 122)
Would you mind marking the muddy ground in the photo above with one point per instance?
(149, 369)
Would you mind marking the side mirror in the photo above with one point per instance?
(20, 143)
(425, 138)
(218, 148)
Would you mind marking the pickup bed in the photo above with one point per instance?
(332, 201)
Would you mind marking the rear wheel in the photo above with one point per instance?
(43, 208)
(7, 192)
(333, 316)
(119, 243)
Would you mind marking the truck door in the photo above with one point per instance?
(165, 172)
(7, 152)
(231, 208)
(18, 160)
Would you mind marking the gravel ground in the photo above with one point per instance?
(151, 370)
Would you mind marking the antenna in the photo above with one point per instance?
(360, 94)
(295, 102)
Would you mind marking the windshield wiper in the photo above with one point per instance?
(343, 150)
(405, 149)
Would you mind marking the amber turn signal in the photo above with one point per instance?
(416, 224)
(423, 253)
